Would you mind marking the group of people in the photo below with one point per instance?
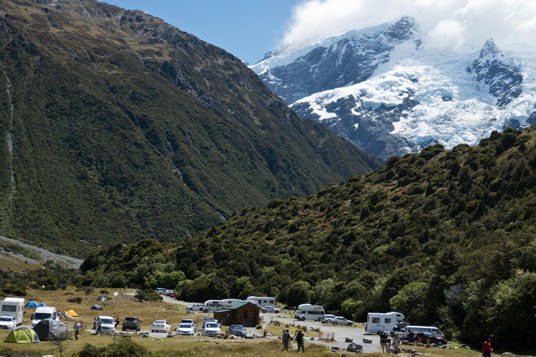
(387, 346)
(300, 340)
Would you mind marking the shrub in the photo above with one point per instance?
(258, 327)
(12, 289)
(77, 300)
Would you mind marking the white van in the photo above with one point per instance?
(13, 307)
(377, 321)
(262, 301)
(432, 330)
(310, 312)
(107, 324)
(42, 313)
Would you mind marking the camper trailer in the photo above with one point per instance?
(261, 301)
(377, 321)
(310, 312)
(41, 313)
(212, 305)
(225, 303)
(13, 307)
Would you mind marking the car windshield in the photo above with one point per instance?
(211, 325)
(185, 326)
(42, 315)
(130, 319)
(6, 318)
(107, 321)
(160, 322)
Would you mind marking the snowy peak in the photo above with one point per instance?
(502, 78)
(335, 62)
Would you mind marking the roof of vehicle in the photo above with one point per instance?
(160, 322)
(131, 318)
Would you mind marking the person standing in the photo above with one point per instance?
(383, 341)
(300, 339)
(98, 328)
(286, 339)
(486, 348)
(396, 344)
(76, 330)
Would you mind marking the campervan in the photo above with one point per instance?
(377, 321)
(225, 303)
(430, 330)
(212, 305)
(310, 312)
(261, 301)
(13, 307)
(41, 313)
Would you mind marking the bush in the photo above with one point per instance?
(258, 327)
(77, 300)
(12, 289)
(125, 347)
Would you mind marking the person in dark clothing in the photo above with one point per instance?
(383, 341)
(76, 330)
(300, 339)
(98, 326)
(486, 348)
(286, 339)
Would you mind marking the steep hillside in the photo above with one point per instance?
(446, 237)
(119, 127)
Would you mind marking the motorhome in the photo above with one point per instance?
(228, 302)
(310, 312)
(377, 321)
(13, 307)
(41, 313)
(212, 305)
(262, 301)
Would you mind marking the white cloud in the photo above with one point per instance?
(455, 24)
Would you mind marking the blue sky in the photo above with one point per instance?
(246, 28)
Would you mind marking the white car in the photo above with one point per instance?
(107, 324)
(270, 309)
(197, 307)
(160, 326)
(211, 329)
(339, 320)
(328, 318)
(7, 322)
(186, 329)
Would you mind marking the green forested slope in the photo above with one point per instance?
(126, 128)
(446, 237)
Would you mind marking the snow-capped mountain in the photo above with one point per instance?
(390, 94)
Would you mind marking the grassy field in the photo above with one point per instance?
(125, 305)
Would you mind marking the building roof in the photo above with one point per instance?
(237, 305)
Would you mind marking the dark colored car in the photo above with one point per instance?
(423, 337)
(238, 330)
(131, 323)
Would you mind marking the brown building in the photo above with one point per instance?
(242, 313)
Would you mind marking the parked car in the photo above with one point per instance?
(161, 291)
(238, 330)
(107, 324)
(131, 323)
(160, 326)
(210, 319)
(197, 307)
(211, 329)
(270, 309)
(187, 329)
(168, 291)
(7, 322)
(340, 320)
(328, 318)
(187, 321)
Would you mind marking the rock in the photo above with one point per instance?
(348, 339)
(367, 340)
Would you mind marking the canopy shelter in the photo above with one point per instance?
(71, 313)
(96, 307)
(42, 305)
(22, 334)
(50, 330)
(31, 304)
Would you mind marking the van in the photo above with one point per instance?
(431, 330)
(377, 321)
(310, 312)
(12, 307)
(262, 301)
(42, 313)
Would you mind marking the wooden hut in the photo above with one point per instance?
(243, 313)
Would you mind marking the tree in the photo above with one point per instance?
(298, 293)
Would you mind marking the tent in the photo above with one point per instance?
(50, 329)
(31, 304)
(22, 334)
(71, 313)
(96, 307)
(42, 305)
(102, 298)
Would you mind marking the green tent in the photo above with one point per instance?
(22, 335)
